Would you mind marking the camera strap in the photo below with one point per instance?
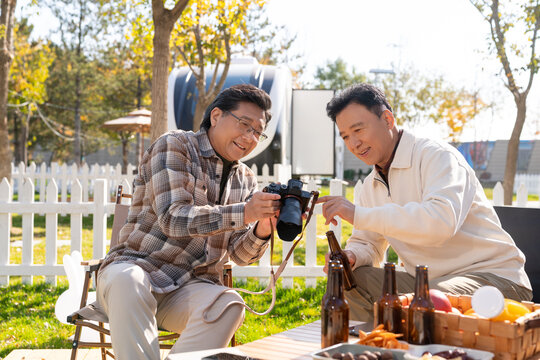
(273, 276)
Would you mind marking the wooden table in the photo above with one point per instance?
(296, 343)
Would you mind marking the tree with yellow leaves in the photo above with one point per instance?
(204, 38)
(29, 71)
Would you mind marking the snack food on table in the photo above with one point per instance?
(447, 354)
(366, 355)
(381, 338)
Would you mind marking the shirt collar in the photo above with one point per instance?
(404, 151)
(206, 147)
(391, 160)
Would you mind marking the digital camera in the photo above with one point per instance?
(294, 202)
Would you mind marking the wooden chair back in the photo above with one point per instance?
(120, 215)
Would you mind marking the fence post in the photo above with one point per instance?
(100, 217)
(26, 195)
(84, 178)
(64, 180)
(51, 230)
(336, 189)
(117, 178)
(32, 173)
(76, 219)
(498, 194)
(129, 174)
(42, 181)
(94, 175)
(522, 195)
(20, 178)
(310, 241)
(5, 229)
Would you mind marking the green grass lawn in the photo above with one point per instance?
(27, 317)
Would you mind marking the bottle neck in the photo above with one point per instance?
(421, 288)
(334, 286)
(333, 244)
(389, 284)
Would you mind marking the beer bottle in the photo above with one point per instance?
(421, 311)
(335, 310)
(337, 254)
(389, 304)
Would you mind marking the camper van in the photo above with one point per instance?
(300, 134)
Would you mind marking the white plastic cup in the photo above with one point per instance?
(488, 302)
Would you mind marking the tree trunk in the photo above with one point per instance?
(160, 72)
(125, 143)
(199, 113)
(164, 20)
(16, 138)
(77, 121)
(139, 92)
(21, 154)
(513, 149)
(6, 57)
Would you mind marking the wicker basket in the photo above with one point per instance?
(508, 341)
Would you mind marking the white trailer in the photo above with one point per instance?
(300, 134)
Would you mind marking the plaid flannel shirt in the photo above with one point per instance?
(177, 229)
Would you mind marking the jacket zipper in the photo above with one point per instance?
(385, 184)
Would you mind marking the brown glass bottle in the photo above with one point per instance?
(421, 311)
(334, 308)
(337, 254)
(389, 304)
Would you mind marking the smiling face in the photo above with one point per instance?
(227, 138)
(370, 137)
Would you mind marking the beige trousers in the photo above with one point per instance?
(135, 313)
(369, 281)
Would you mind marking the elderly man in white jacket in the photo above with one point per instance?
(424, 200)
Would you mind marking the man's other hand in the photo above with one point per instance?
(337, 206)
(350, 256)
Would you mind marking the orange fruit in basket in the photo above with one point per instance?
(512, 311)
(470, 312)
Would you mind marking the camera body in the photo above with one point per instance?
(294, 202)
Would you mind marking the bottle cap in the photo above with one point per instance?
(488, 301)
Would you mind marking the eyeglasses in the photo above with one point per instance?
(246, 128)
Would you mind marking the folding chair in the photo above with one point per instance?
(91, 312)
(523, 224)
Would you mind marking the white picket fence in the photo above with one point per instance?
(522, 195)
(530, 181)
(65, 176)
(100, 208)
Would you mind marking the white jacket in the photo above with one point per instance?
(433, 213)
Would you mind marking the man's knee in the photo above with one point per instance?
(236, 310)
(129, 285)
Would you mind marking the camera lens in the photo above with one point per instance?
(289, 223)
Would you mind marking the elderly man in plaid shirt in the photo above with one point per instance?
(195, 206)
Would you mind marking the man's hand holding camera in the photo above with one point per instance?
(262, 207)
(337, 206)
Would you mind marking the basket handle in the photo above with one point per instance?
(532, 324)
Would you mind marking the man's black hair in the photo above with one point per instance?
(363, 94)
(229, 98)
